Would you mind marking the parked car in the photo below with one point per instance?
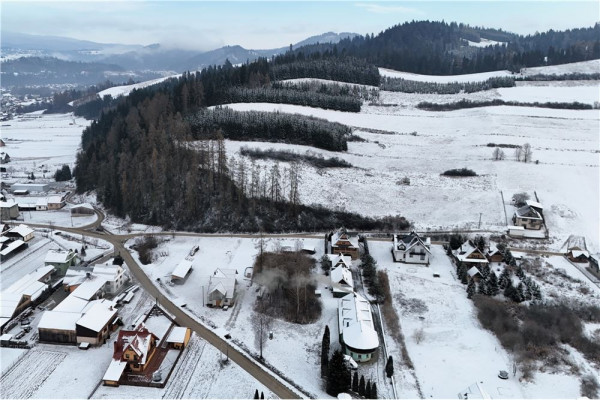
(503, 375)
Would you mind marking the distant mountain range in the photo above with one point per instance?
(136, 57)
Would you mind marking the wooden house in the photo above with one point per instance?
(593, 259)
(20, 232)
(55, 203)
(97, 323)
(577, 255)
(470, 255)
(179, 337)
(345, 243)
(4, 158)
(493, 254)
(136, 347)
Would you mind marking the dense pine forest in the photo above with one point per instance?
(143, 159)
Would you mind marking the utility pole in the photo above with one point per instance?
(479, 226)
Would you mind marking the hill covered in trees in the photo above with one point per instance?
(439, 48)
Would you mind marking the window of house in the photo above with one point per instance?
(422, 256)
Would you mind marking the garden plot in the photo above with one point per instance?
(25, 378)
(564, 142)
(55, 218)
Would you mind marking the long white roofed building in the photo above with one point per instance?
(357, 331)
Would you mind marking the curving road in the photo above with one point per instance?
(274, 383)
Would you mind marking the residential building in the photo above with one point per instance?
(61, 259)
(55, 203)
(345, 243)
(529, 216)
(470, 255)
(221, 288)
(411, 248)
(356, 328)
(20, 232)
(9, 210)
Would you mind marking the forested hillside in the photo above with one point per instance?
(142, 158)
(439, 48)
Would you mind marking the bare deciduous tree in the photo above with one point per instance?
(262, 325)
(518, 153)
(498, 154)
(527, 153)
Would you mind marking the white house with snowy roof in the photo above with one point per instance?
(342, 282)
(20, 232)
(411, 248)
(356, 328)
(114, 275)
(221, 288)
(339, 259)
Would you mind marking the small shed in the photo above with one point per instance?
(179, 337)
(182, 269)
(82, 210)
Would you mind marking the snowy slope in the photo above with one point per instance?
(484, 43)
(482, 76)
(117, 91)
(582, 67)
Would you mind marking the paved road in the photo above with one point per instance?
(268, 379)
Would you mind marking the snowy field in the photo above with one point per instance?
(454, 351)
(56, 218)
(582, 67)
(564, 142)
(409, 76)
(37, 142)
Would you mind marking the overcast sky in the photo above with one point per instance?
(206, 25)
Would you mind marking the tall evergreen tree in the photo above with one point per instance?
(368, 390)
(355, 382)
(493, 284)
(389, 367)
(471, 289)
(256, 394)
(262, 395)
(337, 379)
(504, 279)
(362, 386)
(374, 390)
(325, 343)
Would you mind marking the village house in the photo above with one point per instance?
(221, 288)
(61, 259)
(493, 254)
(82, 210)
(4, 158)
(114, 276)
(23, 293)
(470, 255)
(41, 205)
(355, 325)
(345, 243)
(12, 247)
(530, 216)
(20, 232)
(577, 254)
(341, 280)
(75, 320)
(411, 249)
(9, 210)
(593, 259)
(55, 203)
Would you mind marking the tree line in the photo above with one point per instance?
(428, 106)
(408, 86)
(271, 127)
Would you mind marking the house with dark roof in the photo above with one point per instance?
(411, 249)
(529, 216)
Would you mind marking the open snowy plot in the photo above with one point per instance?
(565, 143)
(582, 67)
(587, 92)
(454, 351)
(124, 90)
(409, 76)
(37, 142)
(56, 218)
(484, 43)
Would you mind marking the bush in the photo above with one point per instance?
(590, 387)
(63, 174)
(459, 172)
(144, 248)
(314, 159)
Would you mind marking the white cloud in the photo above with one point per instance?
(388, 9)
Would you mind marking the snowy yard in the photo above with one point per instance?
(448, 346)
